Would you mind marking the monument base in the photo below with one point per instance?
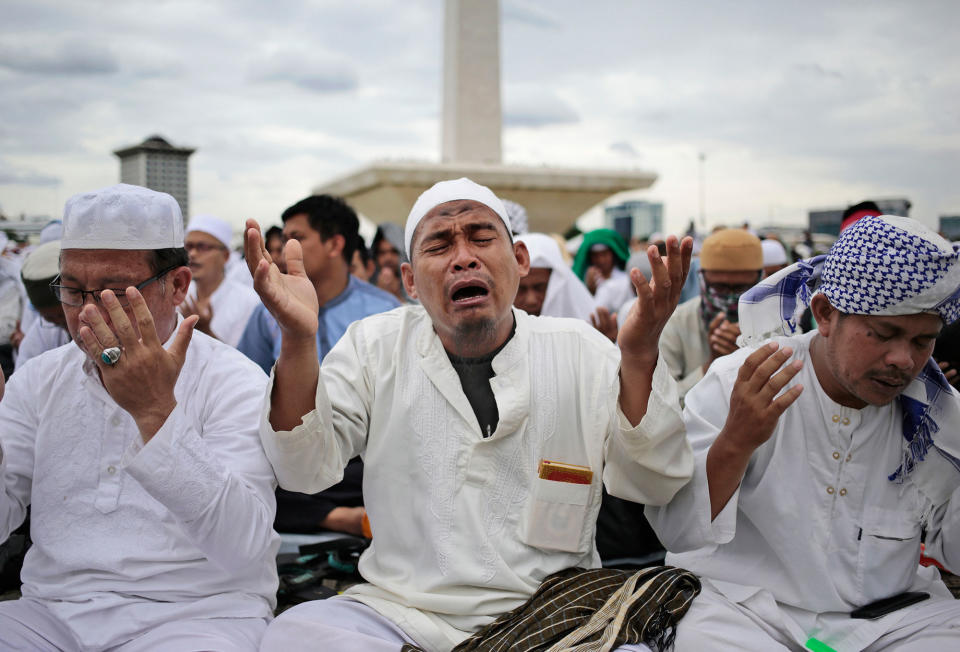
(384, 191)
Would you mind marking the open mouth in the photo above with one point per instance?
(469, 293)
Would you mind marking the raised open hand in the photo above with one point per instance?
(656, 299)
(755, 405)
(142, 379)
(291, 297)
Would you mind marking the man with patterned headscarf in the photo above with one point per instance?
(823, 457)
(704, 328)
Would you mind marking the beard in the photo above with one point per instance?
(478, 330)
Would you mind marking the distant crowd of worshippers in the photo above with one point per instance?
(475, 397)
(571, 279)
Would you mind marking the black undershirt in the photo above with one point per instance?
(475, 375)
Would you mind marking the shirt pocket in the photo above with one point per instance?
(889, 552)
(556, 516)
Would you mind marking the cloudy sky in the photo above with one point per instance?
(796, 105)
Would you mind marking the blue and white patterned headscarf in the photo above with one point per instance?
(882, 265)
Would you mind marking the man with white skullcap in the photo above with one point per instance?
(49, 329)
(137, 450)
(223, 305)
(774, 256)
(464, 409)
(822, 458)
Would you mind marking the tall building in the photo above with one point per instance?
(635, 218)
(827, 220)
(158, 165)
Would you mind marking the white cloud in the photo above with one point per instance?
(304, 67)
(74, 56)
(536, 106)
(795, 108)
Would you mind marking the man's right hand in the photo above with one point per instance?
(291, 297)
(755, 409)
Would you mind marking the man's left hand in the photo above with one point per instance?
(639, 337)
(656, 300)
(142, 380)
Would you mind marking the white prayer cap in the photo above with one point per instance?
(122, 217)
(39, 268)
(214, 226)
(444, 191)
(52, 231)
(773, 253)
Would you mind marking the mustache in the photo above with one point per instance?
(892, 377)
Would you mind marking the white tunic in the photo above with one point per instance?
(127, 536)
(41, 336)
(684, 345)
(232, 304)
(463, 528)
(815, 520)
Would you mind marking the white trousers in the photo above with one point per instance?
(26, 624)
(716, 623)
(340, 624)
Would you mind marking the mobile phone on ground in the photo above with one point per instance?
(889, 605)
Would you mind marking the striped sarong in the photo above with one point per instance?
(596, 610)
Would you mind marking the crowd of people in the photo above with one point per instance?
(474, 399)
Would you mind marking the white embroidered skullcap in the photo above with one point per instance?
(53, 231)
(212, 225)
(773, 253)
(122, 217)
(444, 191)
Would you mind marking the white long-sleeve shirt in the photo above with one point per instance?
(815, 520)
(127, 536)
(463, 528)
(40, 336)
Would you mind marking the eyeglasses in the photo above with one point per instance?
(201, 247)
(726, 288)
(77, 297)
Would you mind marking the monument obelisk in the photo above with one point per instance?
(471, 142)
(471, 82)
